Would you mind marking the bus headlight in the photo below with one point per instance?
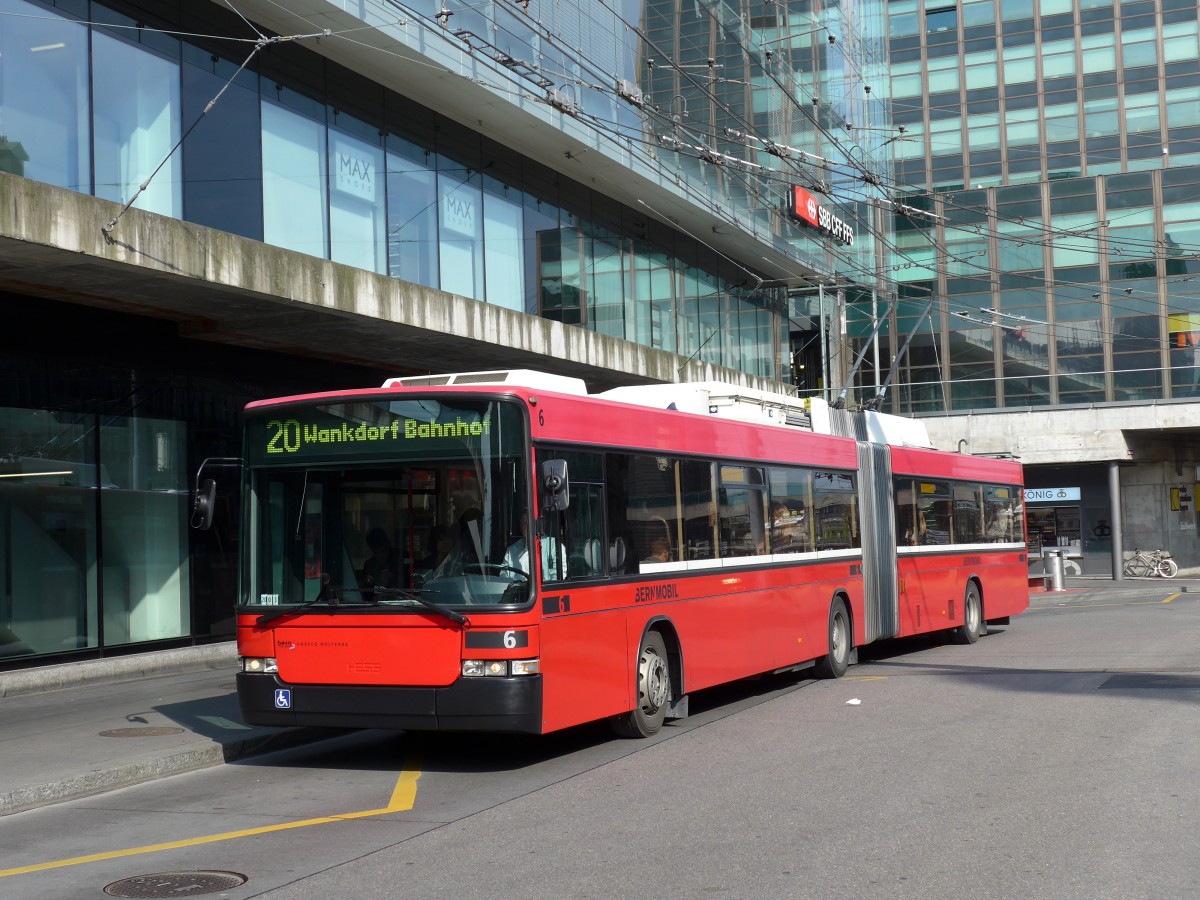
(474, 668)
(259, 665)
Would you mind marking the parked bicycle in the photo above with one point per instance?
(1144, 564)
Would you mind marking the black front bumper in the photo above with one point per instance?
(469, 704)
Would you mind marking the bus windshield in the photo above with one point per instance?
(386, 505)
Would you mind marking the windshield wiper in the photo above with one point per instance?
(327, 596)
(319, 600)
(403, 594)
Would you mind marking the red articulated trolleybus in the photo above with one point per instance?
(501, 551)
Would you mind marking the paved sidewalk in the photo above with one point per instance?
(1102, 588)
(84, 728)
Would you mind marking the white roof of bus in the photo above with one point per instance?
(706, 398)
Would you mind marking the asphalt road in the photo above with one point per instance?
(1056, 758)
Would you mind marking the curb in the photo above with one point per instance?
(138, 665)
(103, 780)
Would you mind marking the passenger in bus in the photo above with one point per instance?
(660, 551)
(382, 568)
(468, 548)
(438, 546)
(787, 529)
(999, 526)
(916, 529)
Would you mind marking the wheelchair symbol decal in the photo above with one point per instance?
(283, 699)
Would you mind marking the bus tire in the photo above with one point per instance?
(972, 627)
(835, 663)
(653, 676)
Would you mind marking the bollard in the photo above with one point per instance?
(1054, 568)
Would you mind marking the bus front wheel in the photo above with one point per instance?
(653, 691)
(835, 662)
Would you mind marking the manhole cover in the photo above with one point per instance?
(140, 732)
(175, 884)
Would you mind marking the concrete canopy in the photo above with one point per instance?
(231, 290)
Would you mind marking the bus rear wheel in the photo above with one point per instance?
(972, 627)
(835, 663)
(653, 691)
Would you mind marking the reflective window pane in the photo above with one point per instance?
(357, 220)
(504, 245)
(460, 231)
(136, 126)
(145, 528)
(412, 213)
(221, 166)
(47, 532)
(44, 96)
(294, 207)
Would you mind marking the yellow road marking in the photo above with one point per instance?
(404, 795)
(1172, 597)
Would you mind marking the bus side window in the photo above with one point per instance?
(576, 534)
(585, 531)
(699, 527)
(937, 506)
(968, 525)
(910, 522)
(836, 526)
(616, 477)
(1003, 515)
(651, 506)
(791, 500)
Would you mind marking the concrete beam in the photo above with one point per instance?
(1040, 436)
(220, 287)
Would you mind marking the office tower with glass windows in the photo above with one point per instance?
(1051, 152)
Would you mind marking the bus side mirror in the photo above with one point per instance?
(556, 496)
(204, 504)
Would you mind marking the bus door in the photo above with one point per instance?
(585, 663)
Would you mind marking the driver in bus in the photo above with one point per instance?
(517, 555)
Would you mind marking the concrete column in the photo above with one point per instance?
(1114, 501)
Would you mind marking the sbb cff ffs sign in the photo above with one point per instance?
(805, 207)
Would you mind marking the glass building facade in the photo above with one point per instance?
(99, 440)
(1051, 155)
(328, 165)
(171, 108)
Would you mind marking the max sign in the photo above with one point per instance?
(805, 207)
